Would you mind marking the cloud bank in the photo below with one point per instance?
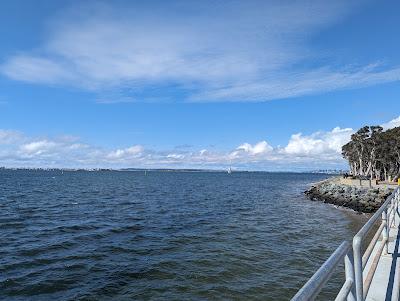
(211, 51)
(302, 152)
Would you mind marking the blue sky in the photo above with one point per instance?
(265, 85)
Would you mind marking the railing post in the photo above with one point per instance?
(349, 272)
(397, 200)
(358, 270)
(393, 210)
(385, 231)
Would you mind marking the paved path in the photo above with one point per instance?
(386, 280)
(365, 183)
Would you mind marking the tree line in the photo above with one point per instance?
(374, 153)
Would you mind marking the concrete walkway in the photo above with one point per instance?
(366, 183)
(386, 280)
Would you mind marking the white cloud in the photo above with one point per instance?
(57, 150)
(319, 143)
(203, 152)
(9, 136)
(291, 84)
(175, 156)
(317, 150)
(37, 147)
(225, 51)
(392, 123)
(257, 149)
(35, 69)
(127, 153)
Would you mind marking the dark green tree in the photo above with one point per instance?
(374, 152)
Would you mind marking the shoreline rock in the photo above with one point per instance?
(360, 199)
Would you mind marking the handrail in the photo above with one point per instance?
(360, 260)
(313, 286)
(356, 286)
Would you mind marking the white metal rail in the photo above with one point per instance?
(358, 280)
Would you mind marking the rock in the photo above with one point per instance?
(360, 199)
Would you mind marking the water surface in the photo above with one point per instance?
(164, 236)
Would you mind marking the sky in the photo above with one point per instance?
(258, 85)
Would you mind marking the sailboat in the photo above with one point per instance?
(230, 168)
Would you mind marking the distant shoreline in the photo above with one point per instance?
(325, 172)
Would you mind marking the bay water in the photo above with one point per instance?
(127, 235)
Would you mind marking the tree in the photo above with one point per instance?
(373, 152)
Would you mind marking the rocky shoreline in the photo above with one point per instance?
(360, 199)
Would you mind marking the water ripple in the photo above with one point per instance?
(164, 236)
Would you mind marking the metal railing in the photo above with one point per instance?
(313, 287)
(386, 214)
(357, 279)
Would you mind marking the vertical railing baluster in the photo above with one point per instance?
(385, 231)
(392, 212)
(358, 275)
(349, 273)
